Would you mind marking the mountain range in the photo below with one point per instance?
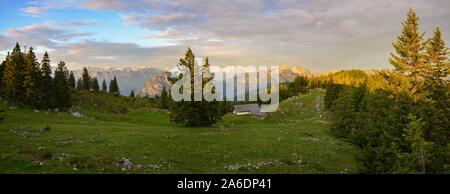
(149, 81)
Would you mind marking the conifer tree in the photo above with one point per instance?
(437, 57)
(2, 68)
(9, 80)
(104, 87)
(86, 81)
(194, 113)
(30, 82)
(72, 83)
(79, 84)
(132, 95)
(12, 79)
(410, 48)
(62, 89)
(94, 85)
(164, 99)
(47, 95)
(114, 87)
(18, 58)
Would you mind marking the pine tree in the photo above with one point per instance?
(86, 81)
(62, 89)
(47, 95)
(104, 87)
(132, 95)
(410, 48)
(72, 83)
(194, 113)
(31, 78)
(437, 57)
(94, 85)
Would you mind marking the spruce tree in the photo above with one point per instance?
(47, 95)
(104, 87)
(72, 83)
(79, 84)
(132, 95)
(2, 68)
(62, 89)
(86, 81)
(194, 113)
(114, 87)
(94, 85)
(437, 57)
(9, 80)
(18, 58)
(410, 48)
(31, 79)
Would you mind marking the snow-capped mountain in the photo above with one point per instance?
(155, 85)
(128, 79)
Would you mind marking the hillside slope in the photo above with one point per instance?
(294, 140)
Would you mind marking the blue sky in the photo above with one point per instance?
(320, 35)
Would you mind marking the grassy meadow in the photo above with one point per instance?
(296, 139)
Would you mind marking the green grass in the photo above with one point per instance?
(296, 139)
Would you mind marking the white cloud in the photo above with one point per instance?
(322, 35)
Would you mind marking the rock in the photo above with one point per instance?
(155, 86)
(56, 109)
(77, 115)
(36, 110)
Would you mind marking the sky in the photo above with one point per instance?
(320, 35)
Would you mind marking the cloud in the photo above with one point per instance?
(321, 35)
(34, 10)
(43, 35)
(79, 24)
(94, 53)
(37, 8)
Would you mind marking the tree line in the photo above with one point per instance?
(401, 123)
(26, 82)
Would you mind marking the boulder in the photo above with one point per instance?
(77, 115)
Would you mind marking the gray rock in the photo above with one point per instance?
(77, 115)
